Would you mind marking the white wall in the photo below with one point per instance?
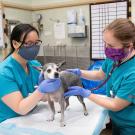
(23, 2)
(17, 14)
(61, 14)
(44, 2)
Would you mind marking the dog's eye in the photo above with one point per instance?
(49, 70)
(57, 69)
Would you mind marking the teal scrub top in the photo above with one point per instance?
(14, 78)
(122, 85)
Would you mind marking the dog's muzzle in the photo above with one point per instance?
(56, 75)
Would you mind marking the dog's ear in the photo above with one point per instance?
(61, 64)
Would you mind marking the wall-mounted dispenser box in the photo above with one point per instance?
(79, 31)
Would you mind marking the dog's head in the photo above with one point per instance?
(52, 70)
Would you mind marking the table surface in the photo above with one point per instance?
(35, 123)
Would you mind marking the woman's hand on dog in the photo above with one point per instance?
(49, 85)
(77, 91)
(75, 71)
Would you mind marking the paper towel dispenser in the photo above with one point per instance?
(79, 31)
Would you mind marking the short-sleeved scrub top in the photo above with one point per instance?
(13, 78)
(122, 85)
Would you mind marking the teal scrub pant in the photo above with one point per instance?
(118, 130)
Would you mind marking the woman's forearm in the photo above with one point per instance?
(105, 102)
(114, 104)
(28, 103)
(92, 75)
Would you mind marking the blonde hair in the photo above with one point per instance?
(123, 30)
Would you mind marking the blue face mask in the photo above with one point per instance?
(29, 52)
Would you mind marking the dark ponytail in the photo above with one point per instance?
(18, 32)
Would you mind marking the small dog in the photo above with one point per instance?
(51, 71)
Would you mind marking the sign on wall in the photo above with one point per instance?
(59, 30)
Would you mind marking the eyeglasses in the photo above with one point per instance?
(29, 44)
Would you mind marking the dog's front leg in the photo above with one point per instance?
(51, 104)
(62, 106)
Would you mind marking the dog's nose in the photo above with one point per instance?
(56, 75)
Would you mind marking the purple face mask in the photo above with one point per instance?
(115, 54)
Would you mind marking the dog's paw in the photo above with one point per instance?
(62, 124)
(86, 113)
(59, 111)
(51, 119)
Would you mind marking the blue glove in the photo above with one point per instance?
(76, 71)
(49, 85)
(41, 77)
(77, 91)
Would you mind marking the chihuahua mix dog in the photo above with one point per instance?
(52, 71)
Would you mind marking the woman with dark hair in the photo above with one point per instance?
(18, 75)
(118, 71)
